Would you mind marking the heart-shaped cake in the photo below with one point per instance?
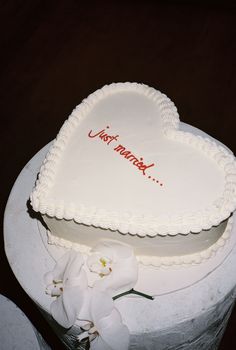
(122, 168)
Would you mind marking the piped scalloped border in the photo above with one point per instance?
(157, 261)
(130, 223)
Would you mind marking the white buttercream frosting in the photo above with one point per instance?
(180, 244)
(157, 260)
(190, 187)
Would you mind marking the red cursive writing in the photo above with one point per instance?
(103, 136)
(138, 162)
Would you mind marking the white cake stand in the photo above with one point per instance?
(192, 304)
(16, 331)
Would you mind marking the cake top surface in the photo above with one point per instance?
(120, 162)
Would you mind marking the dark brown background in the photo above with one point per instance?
(54, 53)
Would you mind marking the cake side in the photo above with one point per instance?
(168, 250)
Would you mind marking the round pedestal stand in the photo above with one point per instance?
(192, 304)
(16, 331)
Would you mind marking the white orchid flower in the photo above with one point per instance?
(114, 267)
(92, 309)
(103, 325)
(68, 283)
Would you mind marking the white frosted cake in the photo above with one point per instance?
(139, 214)
(122, 169)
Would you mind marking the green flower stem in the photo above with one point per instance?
(132, 291)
